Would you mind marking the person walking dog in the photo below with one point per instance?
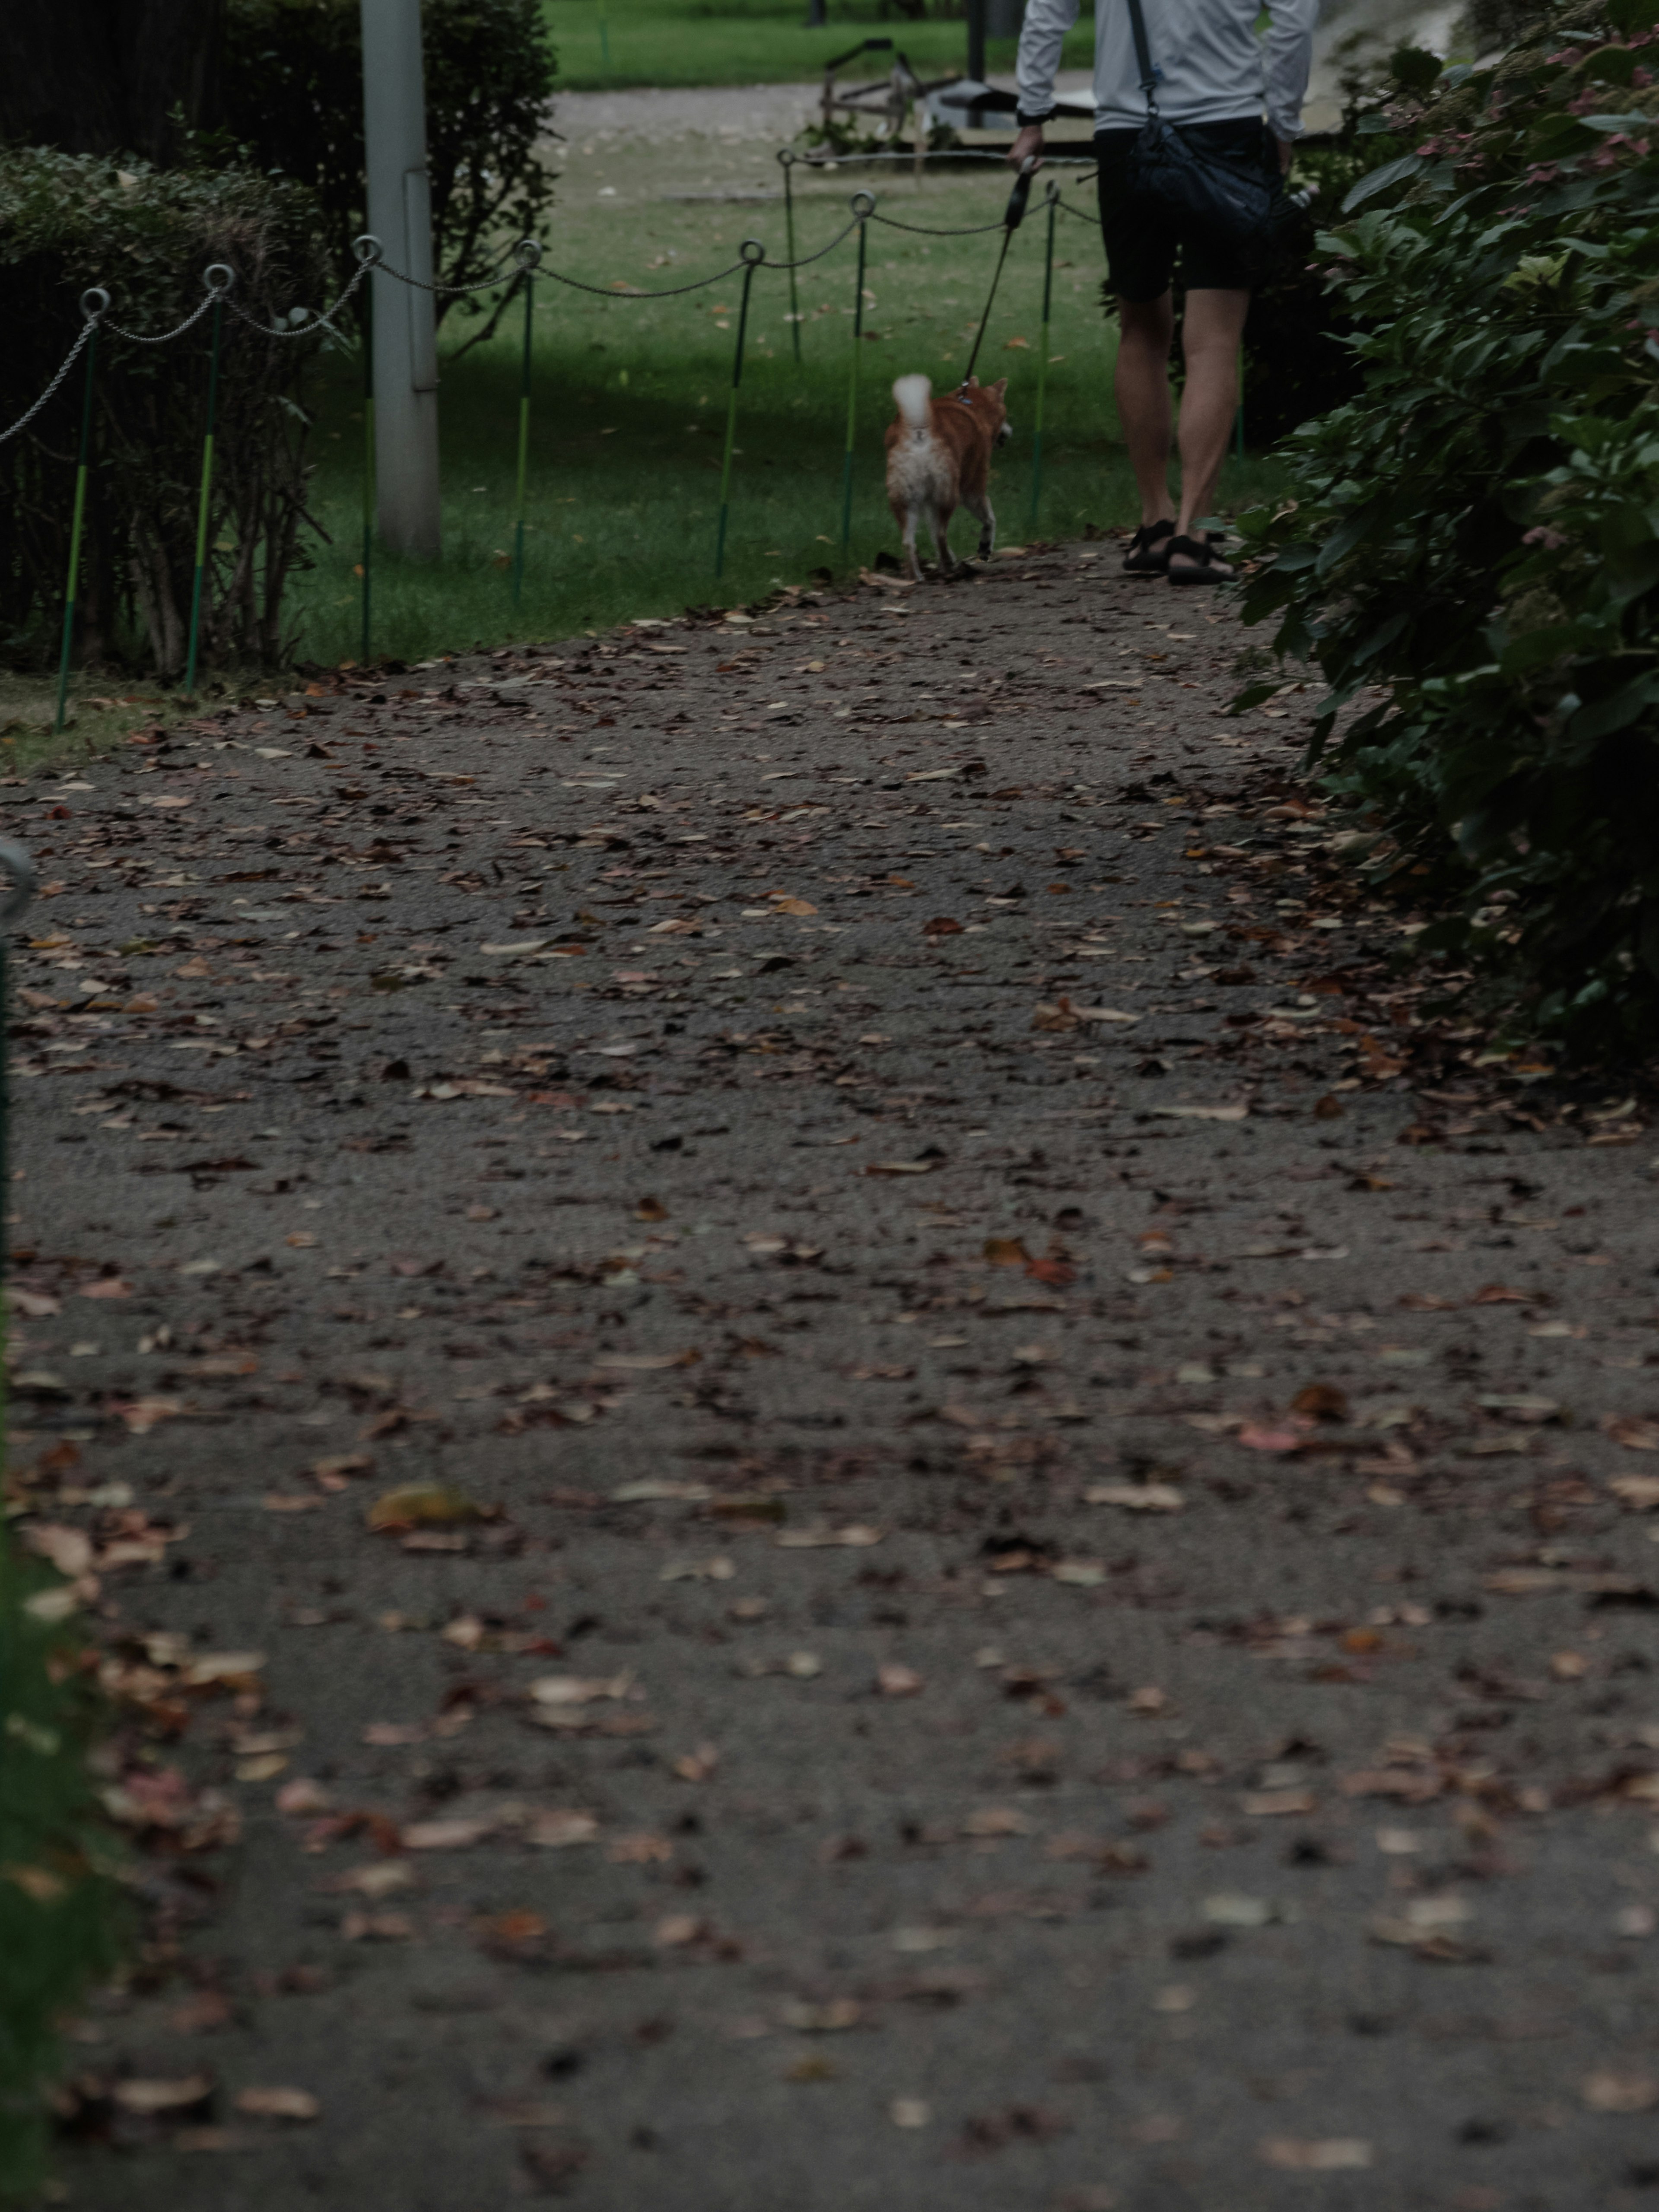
(1188, 168)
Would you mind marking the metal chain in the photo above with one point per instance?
(925, 230)
(69, 359)
(807, 260)
(317, 321)
(456, 291)
(166, 337)
(607, 292)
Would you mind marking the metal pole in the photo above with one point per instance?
(405, 327)
(977, 41)
(19, 869)
(94, 315)
(753, 254)
(862, 214)
(1042, 357)
(366, 567)
(786, 157)
(529, 254)
(226, 277)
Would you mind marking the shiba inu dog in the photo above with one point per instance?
(938, 459)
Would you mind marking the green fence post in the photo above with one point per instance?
(1042, 357)
(368, 248)
(219, 277)
(19, 871)
(787, 158)
(94, 315)
(753, 254)
(861, 214)
(530, 254)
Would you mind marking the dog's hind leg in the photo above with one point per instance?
(979, 503)
(911, 561)
(939, 523)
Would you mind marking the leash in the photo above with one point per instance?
(1012, 217)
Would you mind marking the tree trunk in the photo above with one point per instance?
(105, 76)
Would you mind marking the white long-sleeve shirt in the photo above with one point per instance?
(1211, 66)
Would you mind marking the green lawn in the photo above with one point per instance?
(630, 401)
(677, 42)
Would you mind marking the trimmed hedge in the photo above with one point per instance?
(69, 221)
(1477, 534)
(61, 1918)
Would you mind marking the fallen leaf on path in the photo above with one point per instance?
(1333, 2155)
(1635, 1434)
(1611, 2092)
(646, 1362)
(1006, 1252)
(1639, 1491)
(278, 2104)
(801, 1540)
(1136, 1497)
(109, 1286)
(902, 1167)
(1320, 1401)
(1204, 1113)
(554, 1831)
(422, 1504)
(455, 1834)
(148, 2098)
(894, 1680)
(556, 1690)
(69, 1549)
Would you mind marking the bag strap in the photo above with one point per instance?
(1144, 55)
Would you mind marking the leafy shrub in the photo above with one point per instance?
(60, 1924)
(293, 95)
(1478, 532)
(70, 221)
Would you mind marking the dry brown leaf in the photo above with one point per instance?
(278, 2104)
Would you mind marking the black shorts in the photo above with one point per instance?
(1143, 240)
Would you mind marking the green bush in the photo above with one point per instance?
(60, 1919)
(1477, 534)
(69, 220)
(293, 96)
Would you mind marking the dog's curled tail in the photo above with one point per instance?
(914, 395)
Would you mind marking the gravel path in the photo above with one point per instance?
(1009, 1566)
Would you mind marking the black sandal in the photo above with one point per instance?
(1206, 564)
(1149, 553)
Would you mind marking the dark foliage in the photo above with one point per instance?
(61, 1923)
(67, 221)
(1477, 534)
(294, 99)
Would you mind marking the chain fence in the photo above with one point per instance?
(519, 266)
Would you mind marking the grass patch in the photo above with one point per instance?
(60, 1920)
(684, 42)
(630, 404)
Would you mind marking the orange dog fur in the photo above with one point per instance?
(938, 459)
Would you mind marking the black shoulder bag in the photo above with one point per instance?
(1233, 195)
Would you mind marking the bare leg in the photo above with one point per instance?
(1142, 386)
(1211, 331)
